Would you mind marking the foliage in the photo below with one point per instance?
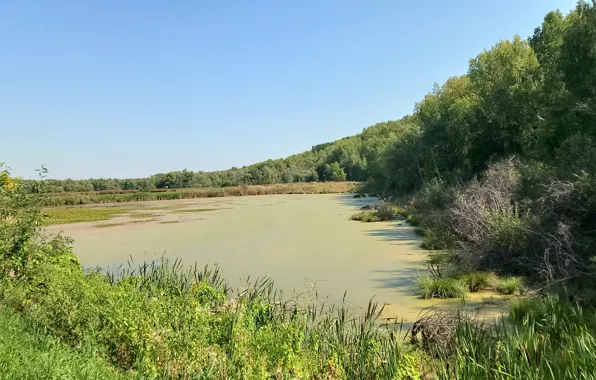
(27, 352)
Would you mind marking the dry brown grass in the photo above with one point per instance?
(60, 199)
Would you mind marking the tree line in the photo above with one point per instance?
(348, 159)
(533, 98)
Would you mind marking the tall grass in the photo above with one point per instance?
(510, 285)
(66, 199)
(432, 287)
(548, 340)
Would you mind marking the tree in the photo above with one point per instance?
(334, 172)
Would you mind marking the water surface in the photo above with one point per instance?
(297, 240)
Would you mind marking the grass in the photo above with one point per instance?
(510, 285)
(546, 339)
(27, 352)
(431, 287)
(169, 222)
(80, 214)
(476, 281)
(185, 210)
(61, 199)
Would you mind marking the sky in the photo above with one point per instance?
(130, 88)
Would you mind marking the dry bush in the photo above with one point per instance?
(435, 330)
(500, 226)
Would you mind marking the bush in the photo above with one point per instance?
(430, 287)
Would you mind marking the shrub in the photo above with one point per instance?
(550, 340)
(430, 287)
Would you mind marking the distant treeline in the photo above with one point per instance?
(348, 159)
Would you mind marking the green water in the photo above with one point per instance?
(297, 240)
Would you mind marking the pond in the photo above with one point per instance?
(300, 241)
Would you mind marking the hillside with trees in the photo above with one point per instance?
(348, 159)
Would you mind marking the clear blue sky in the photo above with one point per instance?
(129, 88)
